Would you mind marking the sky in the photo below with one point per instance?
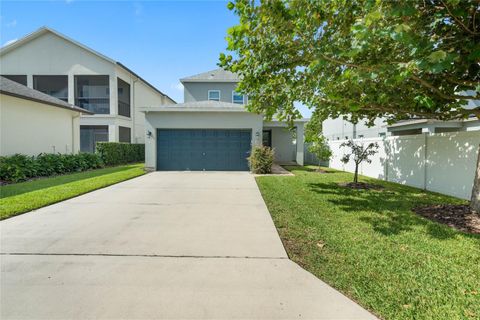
(162, 41)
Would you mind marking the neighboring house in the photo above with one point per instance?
(32, 122)
(52, 63)
(419, 126)
(340, 129)
(212, 130)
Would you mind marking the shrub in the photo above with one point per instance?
(261, 160)
(21, 167)
(114, 153)
(17, 167)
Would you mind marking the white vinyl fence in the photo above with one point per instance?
(443, 162)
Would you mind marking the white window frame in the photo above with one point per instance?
(233, 95)
(219, 95)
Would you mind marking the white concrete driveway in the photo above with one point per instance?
(164, 245)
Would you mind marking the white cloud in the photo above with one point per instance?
(12, 23)
(9, 42)
(68, 1)
(178, 86)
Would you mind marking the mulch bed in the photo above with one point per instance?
(460, 217)
(361, 186)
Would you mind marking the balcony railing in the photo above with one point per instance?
(95, 105)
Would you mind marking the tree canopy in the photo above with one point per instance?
(361, 58)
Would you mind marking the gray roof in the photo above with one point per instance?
(12, 88)
(217, 75)
(199, 106)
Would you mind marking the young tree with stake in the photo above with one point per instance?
(359, 153)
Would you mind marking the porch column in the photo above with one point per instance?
(300, 144)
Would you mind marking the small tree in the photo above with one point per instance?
(320, 149)
(359, 153)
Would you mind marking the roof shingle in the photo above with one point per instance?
(217, 75)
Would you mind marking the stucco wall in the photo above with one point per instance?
(198, 91)
(282, 142)
(144, 97)
(31, 128)
(198, 120)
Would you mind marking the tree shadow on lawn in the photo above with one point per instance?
(19, 188)
(391, 209)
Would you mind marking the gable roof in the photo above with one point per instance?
(45, 30)
(217, 75)
(14, 89)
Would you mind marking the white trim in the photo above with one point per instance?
(233, 94)
(219, 95)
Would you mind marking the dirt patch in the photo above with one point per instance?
(460, 217)
(361, 186)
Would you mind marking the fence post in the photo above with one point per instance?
(425, 163)
(387, 157)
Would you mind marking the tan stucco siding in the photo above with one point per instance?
(198, 120)
(30, 128)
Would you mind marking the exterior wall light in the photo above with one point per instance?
(149, 134)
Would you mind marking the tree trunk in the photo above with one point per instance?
(475, 200)
(355, 176)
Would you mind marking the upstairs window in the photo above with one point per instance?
(237, 98)
(214, 95)
(123, 98)
(55, 86)
(93, 93)
(18, 78)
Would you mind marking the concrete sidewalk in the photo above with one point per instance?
(164, 245)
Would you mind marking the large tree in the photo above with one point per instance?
(360, 59)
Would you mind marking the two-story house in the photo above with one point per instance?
(54, 64)
(212, 130)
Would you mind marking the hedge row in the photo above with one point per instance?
(21, 167)
(115, 153)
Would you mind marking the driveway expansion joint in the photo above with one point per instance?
(138, 255)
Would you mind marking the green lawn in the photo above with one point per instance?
(370, 246)
(25, 196)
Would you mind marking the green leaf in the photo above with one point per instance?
(230, 5)
(437, 56)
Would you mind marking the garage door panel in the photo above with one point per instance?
(203, 149)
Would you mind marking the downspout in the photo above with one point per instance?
(134, 106)
(73, 132)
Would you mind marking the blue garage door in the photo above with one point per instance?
(203, 149)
